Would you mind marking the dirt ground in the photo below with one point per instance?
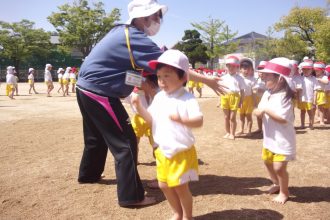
(41, 146)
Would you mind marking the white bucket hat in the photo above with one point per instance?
(143, 8)
(281, 66)
(60, 70)
(173, 58)
(30, 70)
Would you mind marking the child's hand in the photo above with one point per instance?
(259, 112)
(136, 101)
(176, 118)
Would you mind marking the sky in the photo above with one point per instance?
(243, 16)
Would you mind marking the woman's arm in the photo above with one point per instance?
(211, 82)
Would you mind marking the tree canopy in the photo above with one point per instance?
(82, 26)
(20, 41)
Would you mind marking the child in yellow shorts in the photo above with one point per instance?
(231, 101)
(10, 82)
(172, 114)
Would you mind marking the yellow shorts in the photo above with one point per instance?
(49, 83)
(321, 98)
(31, 82)
(307, 106)
(9, 88)
(180, 169)
(199, 85)
(60, 81)
(247, 105)
(230, 101)
(191, 84)
(327, 105)
(73, 81)
(141, 128)
(271, 157)
(65, 82)
(258, 98)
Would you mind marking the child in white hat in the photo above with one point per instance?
(60, 72)
(66, 80)
(232, 100)
(31, 80)
(320, 97)
(306, 100)
(10, 82)
(279, 136)
(49, 79)
(176, 156)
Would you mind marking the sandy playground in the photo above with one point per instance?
(41, 145)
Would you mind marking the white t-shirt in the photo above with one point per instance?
(321, 86)
(72, 75)
(259, 87)
(278, 138)
(234, 82)
(173, 137)
(66, 76)
(308, 86)
(249, 81)
(60, 75)
(31, 77)
(10, 79)
(142, 97)
(48, 76)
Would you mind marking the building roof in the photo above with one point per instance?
(250, 37)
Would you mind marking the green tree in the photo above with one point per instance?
(193, 47)
(81, 26)
(301, 25)
(322, 41)
(20, 41)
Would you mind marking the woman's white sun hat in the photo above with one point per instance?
(143, 8)
(173, 58)
(281, 66)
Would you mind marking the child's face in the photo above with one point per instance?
(307, 72)
(168, 79)
(271, 80)
(232, 69)
(319, 73)
(246, 69)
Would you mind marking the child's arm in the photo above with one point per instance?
(241, 98)
(274, 116)
(136, 102)
(315, 97)
(189, 122)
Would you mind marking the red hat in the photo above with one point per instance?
(232, 60)
(319, 66)
(327, 68)
(306, 65)
(262, 65)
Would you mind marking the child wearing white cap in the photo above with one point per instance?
(31, 80)
(279, 136)
(48, 79)
(66, 80)
(249, 100)
(320, 98)
(176, 156)
(10, 82)
(306, 99)
(60, 72)
(232, 100)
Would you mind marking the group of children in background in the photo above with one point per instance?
(65, 78)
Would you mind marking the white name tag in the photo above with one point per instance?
(133, 78)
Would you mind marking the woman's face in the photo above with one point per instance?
(168, 79)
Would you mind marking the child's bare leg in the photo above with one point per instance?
(227, 122)
(259, 121)
(233, 125)
(30, 90)
(186, 200)
(242, 120)
(321, 115)
(173, 199)
(311, 114)
(249, 123)
(283, 178)
(302, 118)
(273, 177)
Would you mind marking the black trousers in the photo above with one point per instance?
(106, 126)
